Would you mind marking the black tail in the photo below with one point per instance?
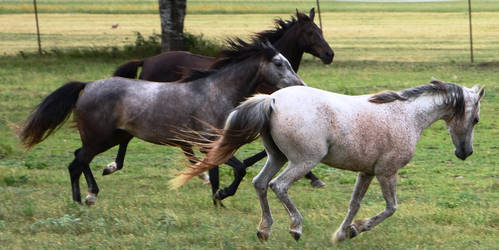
(129, 69)
(50, 113)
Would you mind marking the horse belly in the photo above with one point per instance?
(349, 159)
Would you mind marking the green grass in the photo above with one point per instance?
(443, 202)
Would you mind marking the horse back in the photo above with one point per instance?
(169, 66)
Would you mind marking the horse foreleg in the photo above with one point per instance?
(389, 188)
(239, 173)
(346, 230)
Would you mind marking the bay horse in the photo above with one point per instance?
(291, 38)
(374, 135)
(112, 111)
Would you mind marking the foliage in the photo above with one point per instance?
(141, 48)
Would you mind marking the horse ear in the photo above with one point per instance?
(312, 14)
(268, 50)
(482, 92)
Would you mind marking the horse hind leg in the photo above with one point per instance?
(261, 183)
(275, 161)
(314, 180)
(75, 169)
(78, 165)
(280, 186)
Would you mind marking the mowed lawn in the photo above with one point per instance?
(443, 202)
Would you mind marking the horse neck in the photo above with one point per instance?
(428, 109)
(288, 46)
(238, 81)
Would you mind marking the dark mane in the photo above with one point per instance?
(453, 95)
(281, 27)
(239, 50)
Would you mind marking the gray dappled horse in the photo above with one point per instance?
(374, 135)
(292, 38)
(111, 112)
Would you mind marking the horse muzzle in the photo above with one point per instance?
(328, 57)
(462, 154)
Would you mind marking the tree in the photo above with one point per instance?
(172, 14)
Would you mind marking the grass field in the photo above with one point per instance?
(443, 202)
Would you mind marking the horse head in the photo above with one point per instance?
(461, 125)
(276, 69)
(311, 39)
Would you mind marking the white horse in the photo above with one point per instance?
(374, 135)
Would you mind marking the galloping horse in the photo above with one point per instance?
(291, 38)
(112, 111)
(374, 135)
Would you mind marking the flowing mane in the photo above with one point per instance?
(281, 27)
(453, 95)
(239, 50)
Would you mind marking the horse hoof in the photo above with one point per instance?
(296, 235)
(90, 199)
(338, 238)
(317, 183)
(352, 231)
(110, 168)
(216, 203)
(262, 236)
(220, 194)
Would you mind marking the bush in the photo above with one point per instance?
(142, 47)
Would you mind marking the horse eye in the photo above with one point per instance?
(476, 120)
(278, 63)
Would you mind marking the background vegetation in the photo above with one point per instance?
(443, 202)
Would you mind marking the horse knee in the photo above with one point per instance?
(391, 210)
(260, 186)
(279, 189)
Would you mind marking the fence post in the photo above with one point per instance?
(471, 32)
(319, 10)
(37, 29)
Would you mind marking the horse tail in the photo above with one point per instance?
(50, 114)
(129, 69)
(243, 126)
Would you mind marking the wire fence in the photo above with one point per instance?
(428, 31)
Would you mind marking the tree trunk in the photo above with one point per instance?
(172, 14)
